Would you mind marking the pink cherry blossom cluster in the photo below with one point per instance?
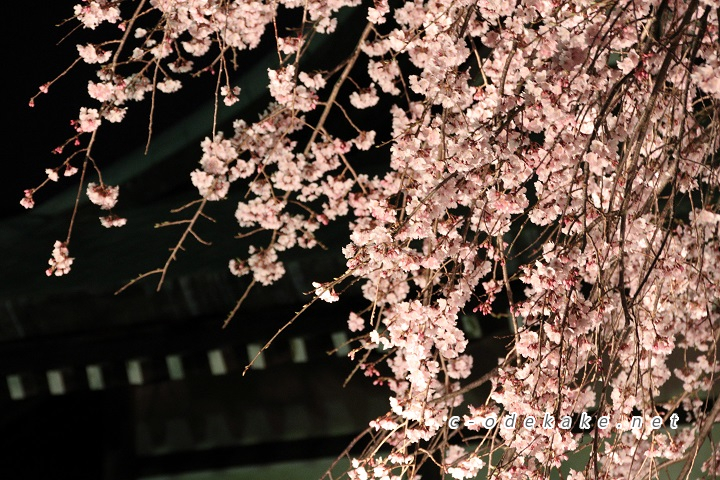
(60, 261)
(551, 165)
(105, 196)
(600, 200)
(93, 13)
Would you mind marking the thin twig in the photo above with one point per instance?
(336, 88)
(238, 303)
(178, 246)
(277, 334)
(707, 425)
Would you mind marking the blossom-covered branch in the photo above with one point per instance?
(551, 163)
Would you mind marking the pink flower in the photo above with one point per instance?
(60, 261)
(92, 54)
(105, 196)
(326, 294)
(114, 114)
(230, 95)
(112, 221)
(169, 85)
(89, 120)
(365, 98)
(629, 62)
(377, 13)
(27, 201)
(282, 83)
(355, 322)
(265, 266)
(365, 140)
(101, 91)
(212, 187)
(93, 13)
(289, 45)
(238, 267)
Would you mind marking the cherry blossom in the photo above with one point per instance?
(52, 174)
(365, 98)
(238, 267)
(91, 54)
(230, 95)
(105, 196)
(549, 166)
(92, 13)
(112, 221)
(355, 322)
(27, 201)
(325, 293)
(89, 120)
(169, 86)
(60, 261)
